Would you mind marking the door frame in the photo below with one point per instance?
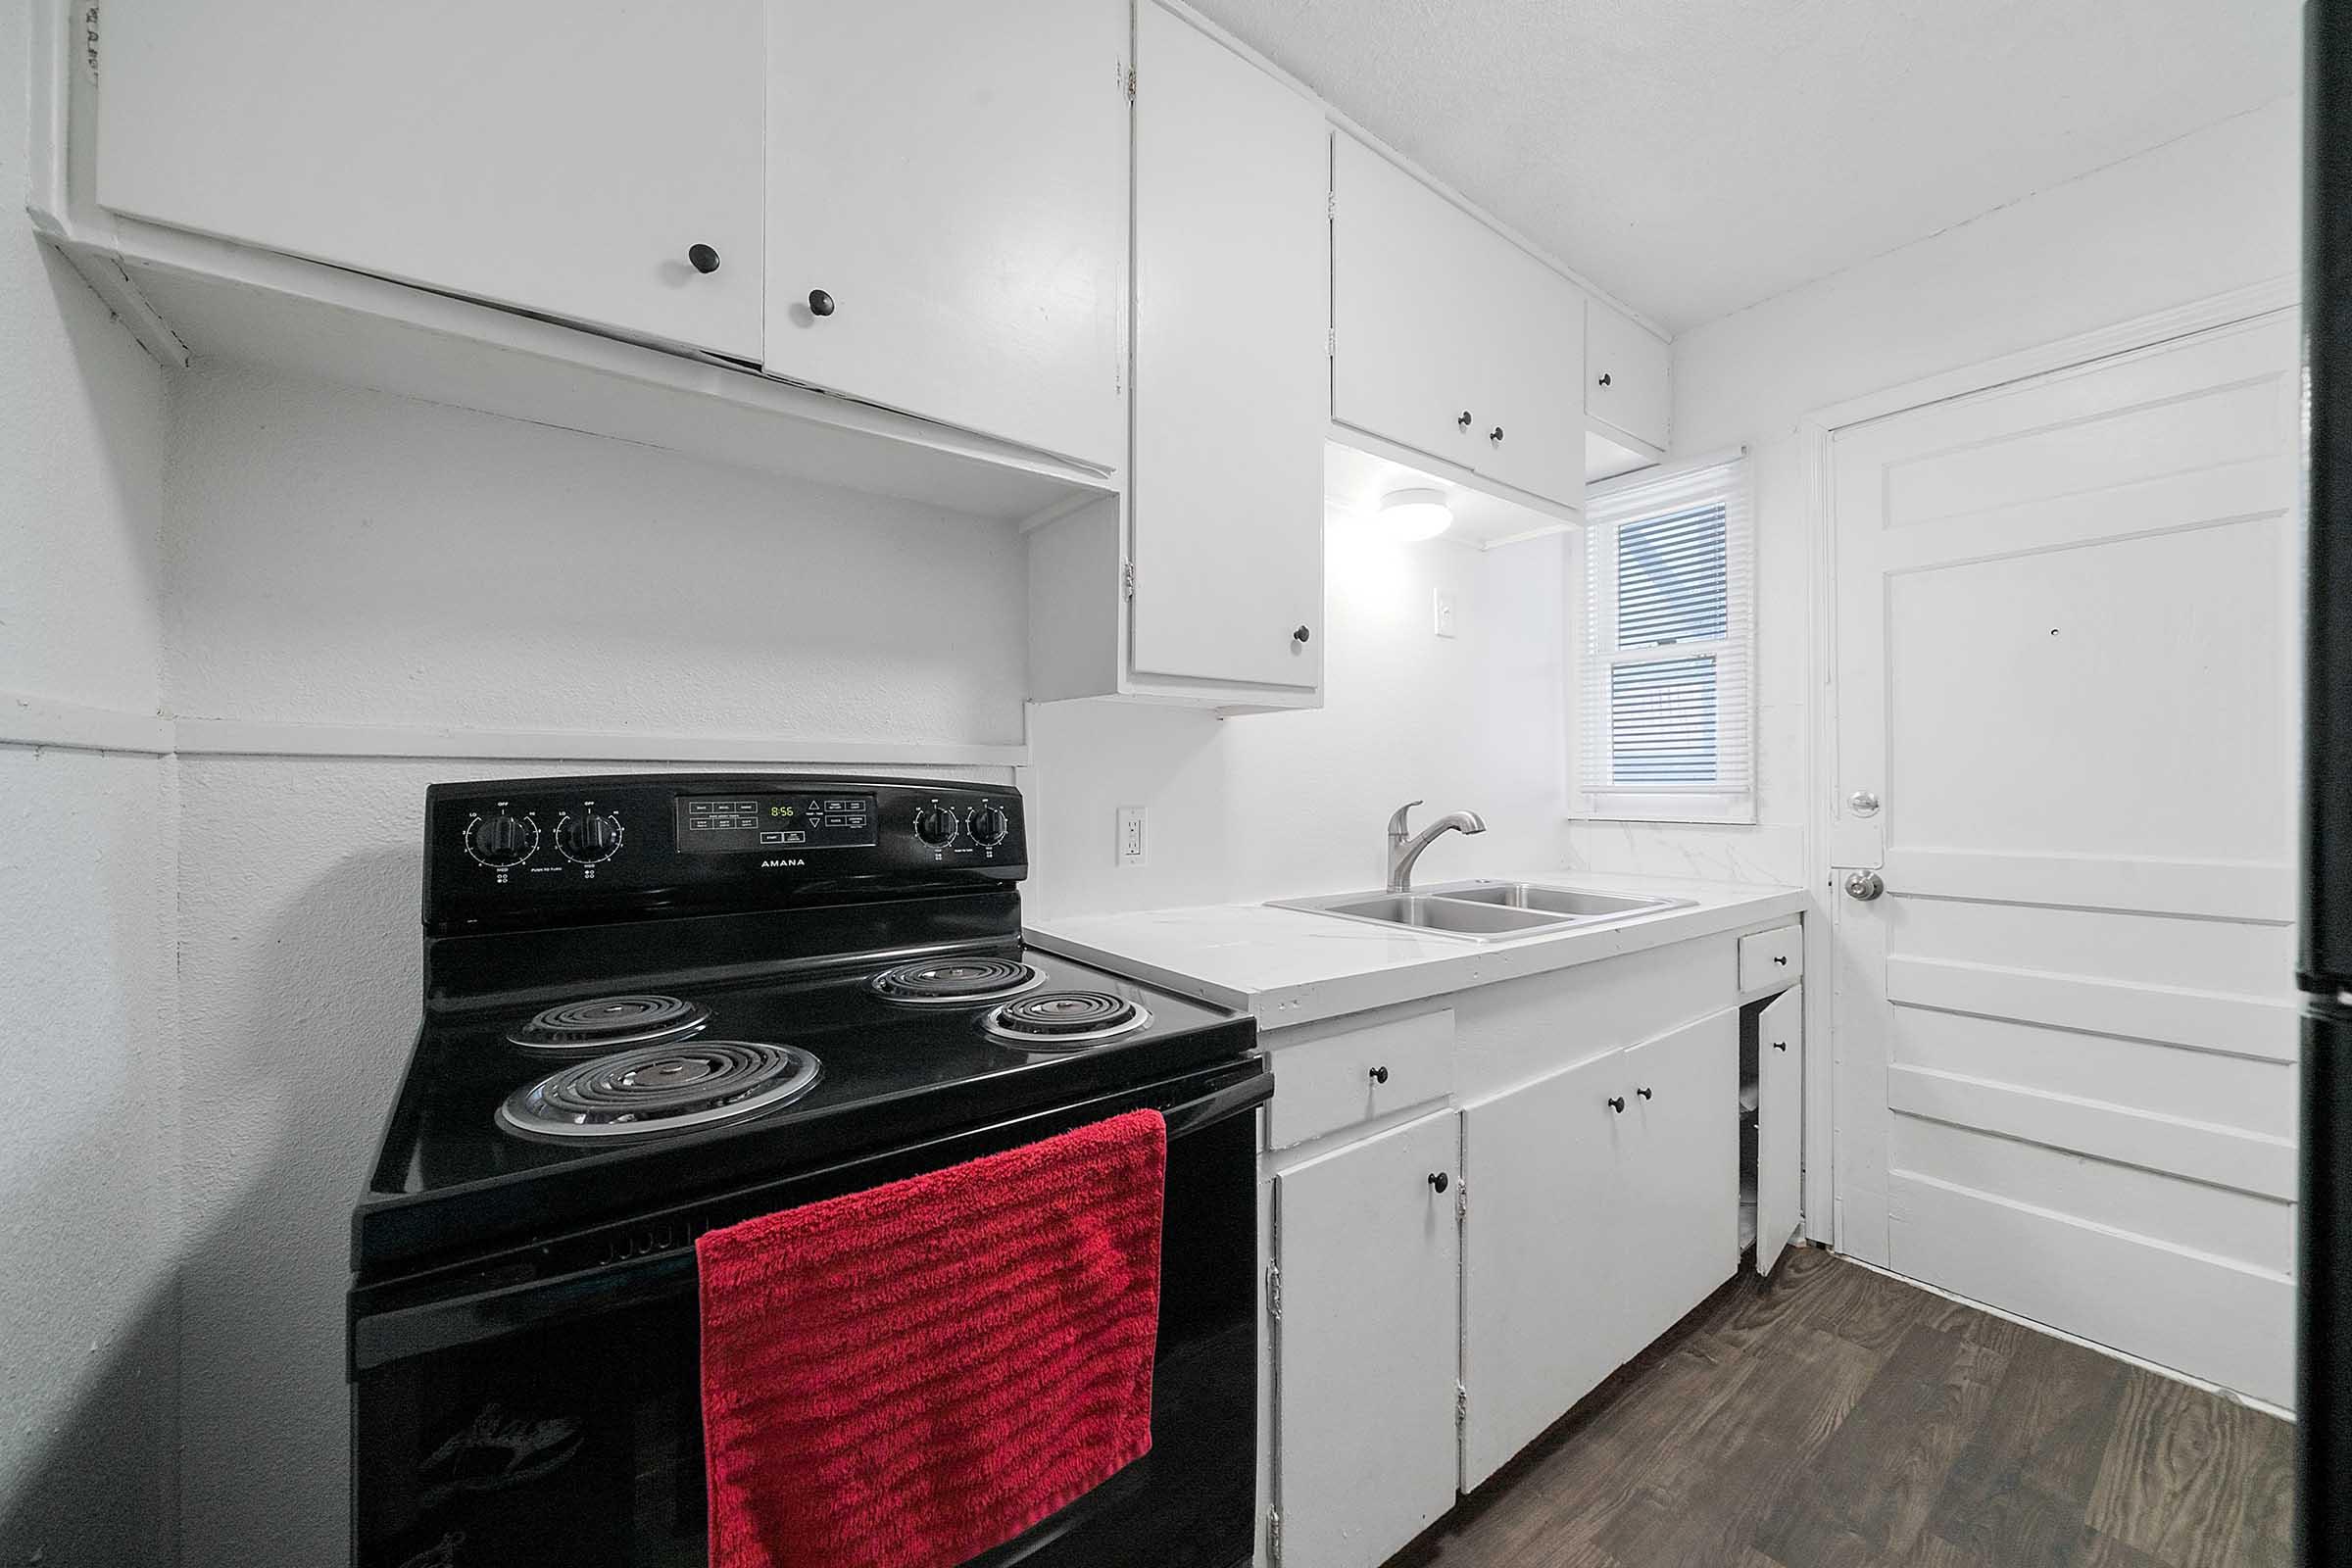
(1824, 1205)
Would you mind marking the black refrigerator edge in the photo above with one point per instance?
(2323, 1364)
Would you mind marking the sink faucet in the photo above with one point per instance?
(1404, 848)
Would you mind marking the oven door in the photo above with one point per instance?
(559, 1420)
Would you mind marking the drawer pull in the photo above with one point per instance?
(1379, 1075)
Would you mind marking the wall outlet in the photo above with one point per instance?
(1132, 841)
(1444, 604)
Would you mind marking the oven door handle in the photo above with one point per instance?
(382, 1338)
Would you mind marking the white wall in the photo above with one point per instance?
(88, 1090)
(2199, 216)
(1276, 805)
(341, 557)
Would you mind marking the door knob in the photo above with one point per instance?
(702, 258)
(821, 303)
(1864, 803)
(1617, 1103)
(1863, 885)
(1439, 1181)
(1379, 1075)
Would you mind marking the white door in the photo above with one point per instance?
(1533, 320)
(1544, 1247)
(1406, 359)
(563, 159)
(1232, 291)
(2067, 633)
(950, 181)
(1780, 1123)
(1366, 1351)
(1679, 1182)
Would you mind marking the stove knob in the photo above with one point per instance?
(501, 841)
(935, 824)
(990, 824)
(589, 838)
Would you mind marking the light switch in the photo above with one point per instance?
(1444, 604)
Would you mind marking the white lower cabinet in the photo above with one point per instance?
(1367, 1248)
(1780, 1122)
(1603, 1205)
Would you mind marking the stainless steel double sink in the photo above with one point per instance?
(1486, 911)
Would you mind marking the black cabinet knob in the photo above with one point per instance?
(1495, 435)
(1440, 1179)
(705, 259)
(1379, 1075)
(1643, 1092)
(1462, 420)
(1617, 1103)
(1605, 379)
(821, 303)
(1780, 1045)
(1781, 958)
(1301, 636)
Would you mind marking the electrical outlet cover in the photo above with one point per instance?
(1133, 843)
(1444, 603)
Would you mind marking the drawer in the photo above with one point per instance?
(1770, 959)
(1338, 1080)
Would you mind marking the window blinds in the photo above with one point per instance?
(1667, 726)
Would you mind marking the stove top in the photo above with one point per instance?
(731, 979)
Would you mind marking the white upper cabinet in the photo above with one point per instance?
(538, 154)
(1446, 338)
(947, 212)
(1626, 385)
(1231, 296)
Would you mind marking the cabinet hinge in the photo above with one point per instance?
(1273, 1534)
(1461, 1404)
(1331, 203)
(1129, 74)
(1127, 579)
(89, 38)
(1331, 342)
(1461, 1200)
(1274, 1292)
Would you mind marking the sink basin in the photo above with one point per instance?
(1484, 911)
(1574, 903)
(1434, 914)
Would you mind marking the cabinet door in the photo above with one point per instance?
(1365, 1351)
(1780, 1123)
(951, 178)
(1407, 362)
(1232, 291)
(1681, 1174)
(1542, 1253)
(1626, 376)
(540, 154)
(1532, 434)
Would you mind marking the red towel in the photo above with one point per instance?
(905, 1377)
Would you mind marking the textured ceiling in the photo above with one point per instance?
(1694, 157)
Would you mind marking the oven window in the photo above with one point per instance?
(579, 1443)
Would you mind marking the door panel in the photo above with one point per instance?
(1543, 1258)
(2066, 1038)
(954, 177)
(1232, 286)
(1367, 1347)
(1407, 359)
(1533, 320)
(542, 156)
(1780, 1123)
(1680, 1175)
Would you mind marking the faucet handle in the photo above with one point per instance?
(1396, 823)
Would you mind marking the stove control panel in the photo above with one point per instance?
(748, 824)
(516, 851)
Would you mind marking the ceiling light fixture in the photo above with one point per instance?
(1408, 514)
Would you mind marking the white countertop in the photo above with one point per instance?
(1288, 967)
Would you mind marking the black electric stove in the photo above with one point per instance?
(658, 1004)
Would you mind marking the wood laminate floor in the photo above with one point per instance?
(1834, 1418)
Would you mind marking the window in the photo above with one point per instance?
(1666, 733)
